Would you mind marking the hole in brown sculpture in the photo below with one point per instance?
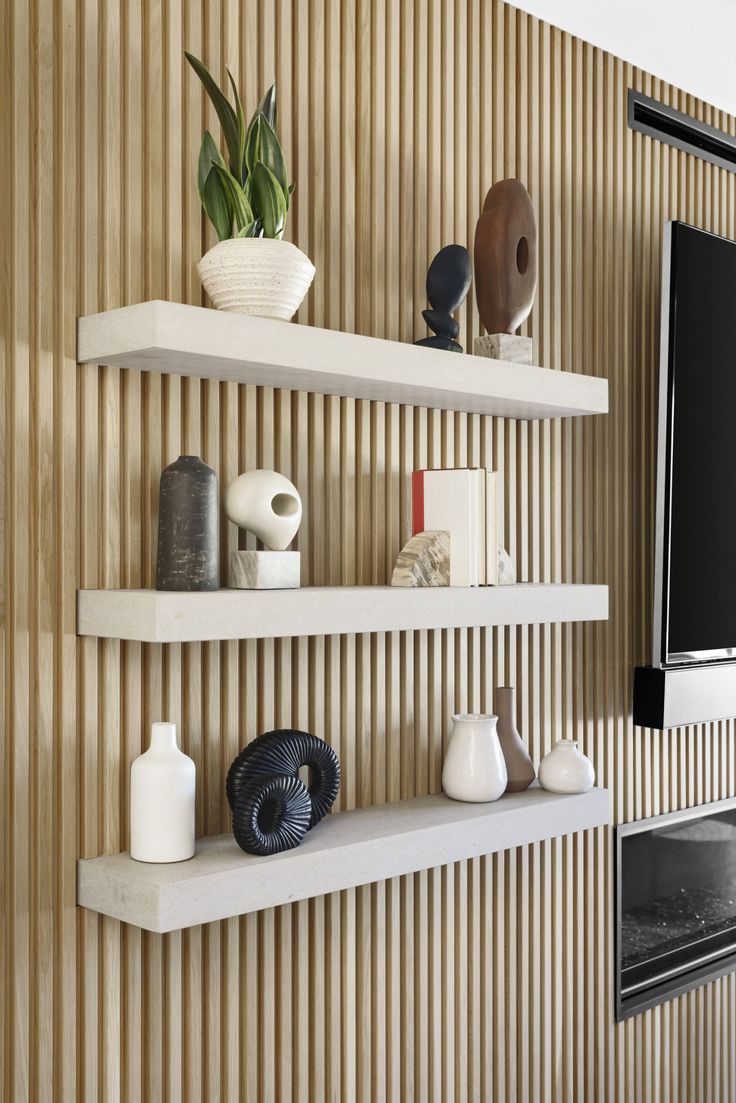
(522, 255)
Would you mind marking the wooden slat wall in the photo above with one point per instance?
(488, 980)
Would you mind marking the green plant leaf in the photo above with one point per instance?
(240, 120)
(208, 152)
(222, 105)
(249, 230)
(272, 156)
(217, 204)
(238, 199)
(267, 105)
(253, 143)
(269, 199)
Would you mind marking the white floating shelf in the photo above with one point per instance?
(345, 850)
(191, 340)
(154, 617)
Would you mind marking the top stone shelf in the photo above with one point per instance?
(195, 341)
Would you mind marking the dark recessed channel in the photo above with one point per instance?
(681, 131)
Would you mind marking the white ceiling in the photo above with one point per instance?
(689, 43)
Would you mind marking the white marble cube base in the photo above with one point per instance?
(264, 570)
(504, 346)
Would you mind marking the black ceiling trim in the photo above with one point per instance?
(681, 131)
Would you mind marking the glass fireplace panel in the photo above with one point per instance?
(676, 896)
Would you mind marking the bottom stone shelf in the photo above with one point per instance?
(345, 850)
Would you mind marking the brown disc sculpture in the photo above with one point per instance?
(505, 257)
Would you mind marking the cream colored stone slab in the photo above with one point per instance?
(264, 570)
(156, 617)
(504, 346)
(214, 344)
(347, 849)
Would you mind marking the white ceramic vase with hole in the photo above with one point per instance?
(474, 769)
(256, 275)
(566, 769)
(267, 504)
(162, 789)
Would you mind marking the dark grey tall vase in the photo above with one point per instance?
(188, 556)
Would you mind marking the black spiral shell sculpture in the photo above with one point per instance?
(272, 808)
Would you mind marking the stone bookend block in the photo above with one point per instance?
(424, 561)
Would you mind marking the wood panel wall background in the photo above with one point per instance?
(487, 980)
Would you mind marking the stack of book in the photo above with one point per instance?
(463, 502)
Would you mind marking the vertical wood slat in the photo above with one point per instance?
(487, 980)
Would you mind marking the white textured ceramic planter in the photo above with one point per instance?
(256, 275)
(566, 769)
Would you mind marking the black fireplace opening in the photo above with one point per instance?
(675, 904)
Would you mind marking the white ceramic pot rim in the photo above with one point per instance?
(567, 743)
(473, 716)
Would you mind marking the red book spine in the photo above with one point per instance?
(417, 502)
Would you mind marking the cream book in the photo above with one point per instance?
(454, 501)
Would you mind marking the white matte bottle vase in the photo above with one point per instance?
(162, 788)
(474, 769)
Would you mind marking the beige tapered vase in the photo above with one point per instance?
(519, 765)
(256, 275)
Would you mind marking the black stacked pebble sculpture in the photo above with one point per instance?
(448, 283)
(272, 808)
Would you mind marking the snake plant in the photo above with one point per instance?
(247, 196)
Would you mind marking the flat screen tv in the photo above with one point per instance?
(695, 548)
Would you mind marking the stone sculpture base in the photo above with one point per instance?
(504, 346)
(264, 570)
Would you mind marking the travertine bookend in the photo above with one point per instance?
(424, 561)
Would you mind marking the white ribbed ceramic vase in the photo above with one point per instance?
(474, 769)
(566, 769)
(256, 275)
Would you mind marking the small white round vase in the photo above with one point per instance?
(256, 275)
(266, 504)
(566, 769)
(474, 769)
(162, 790)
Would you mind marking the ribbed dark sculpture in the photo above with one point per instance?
(271, 814)
(282, 754)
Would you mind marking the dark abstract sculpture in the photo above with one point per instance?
(271, 814)
(188, 553)
(448, 282)
(505, 257)
(275, 820)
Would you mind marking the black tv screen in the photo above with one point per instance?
(695, 587)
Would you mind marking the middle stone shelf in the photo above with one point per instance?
(152, 616)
